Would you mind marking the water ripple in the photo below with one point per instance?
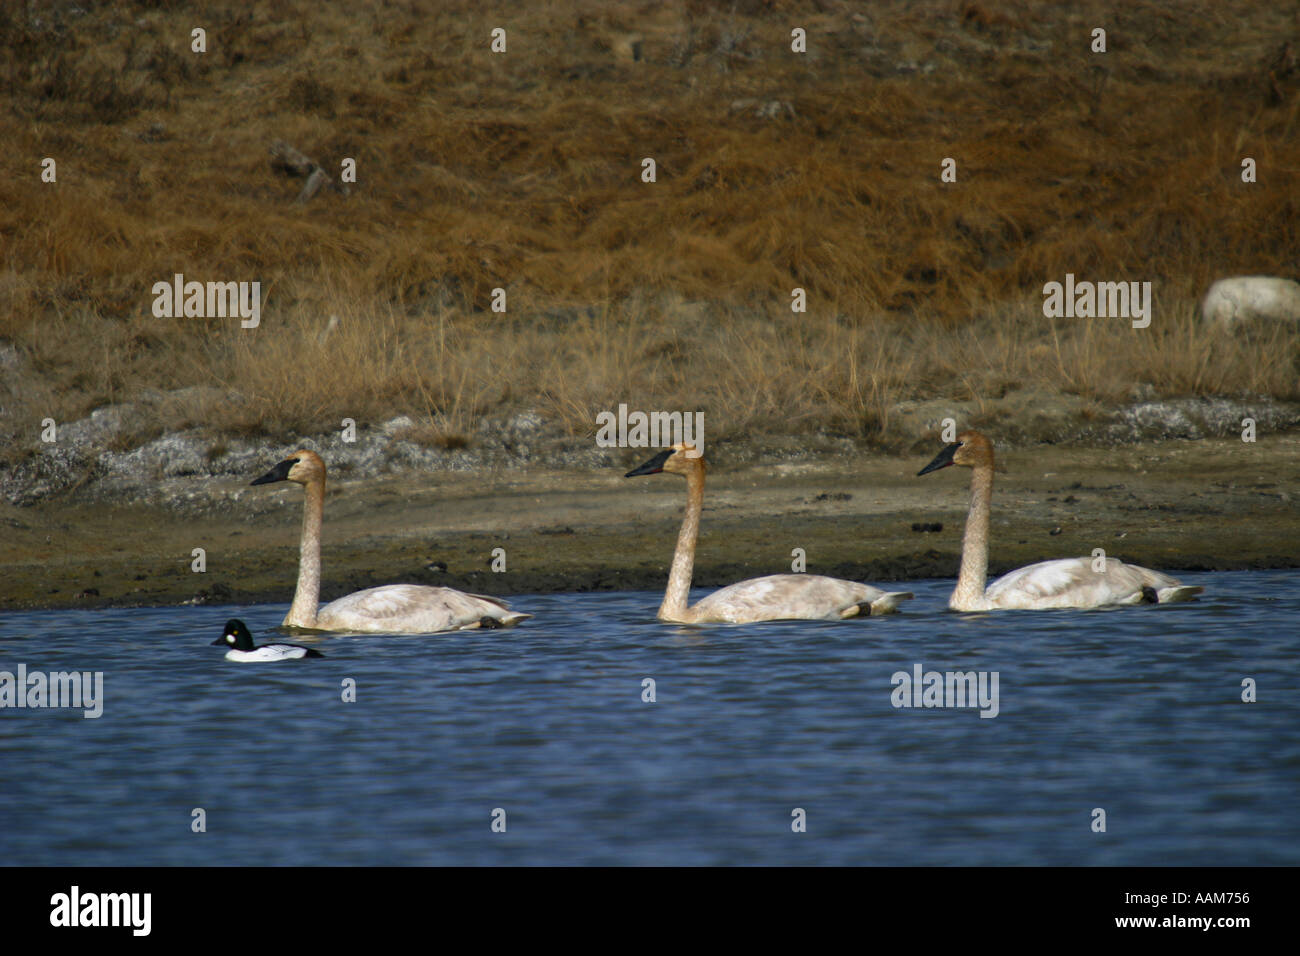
(1136, 711)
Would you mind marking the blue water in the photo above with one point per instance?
(1136, 711)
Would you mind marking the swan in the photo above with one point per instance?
(390, 609)
(1066, 582)
(777, 597)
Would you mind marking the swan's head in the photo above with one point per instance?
(302, 467)
(673, 460)
(970, 450)
(235, 635)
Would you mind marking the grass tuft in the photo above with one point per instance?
(522, 172)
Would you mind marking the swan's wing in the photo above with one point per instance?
(414, 609)
(779, 597)
(1073, 582)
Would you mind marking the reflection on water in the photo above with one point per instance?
(1135, 711)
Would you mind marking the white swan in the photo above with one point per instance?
(390, 609)
(1064, 583)
(777, 597)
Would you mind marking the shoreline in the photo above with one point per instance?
(1182, 506)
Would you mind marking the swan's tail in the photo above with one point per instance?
(1183, 592)
(887, 603)
(492, 621)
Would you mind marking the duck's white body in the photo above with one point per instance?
(268, 652)
(242, 649)
(777, 597)
(1063, 583)
(388, 609)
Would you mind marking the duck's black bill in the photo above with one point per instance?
(941, 460)
(279, 473)
(220, 640)
(651, 467)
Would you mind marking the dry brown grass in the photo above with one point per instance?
(522, 172)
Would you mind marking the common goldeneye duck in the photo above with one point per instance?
(240, 642)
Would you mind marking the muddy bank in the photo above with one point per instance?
(1213, 504)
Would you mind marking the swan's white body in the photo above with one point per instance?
(412, 609)
(785, 597)
(390, 609)
(1063, 583)
(1073, 582)
(777, 597)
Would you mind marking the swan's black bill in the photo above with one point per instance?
(941, 460)
(279, 473)
(651, 467)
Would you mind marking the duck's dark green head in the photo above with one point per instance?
(235, 635)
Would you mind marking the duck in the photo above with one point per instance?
(387, 609)
(242, 649)
(776, 597)
(1060, 583)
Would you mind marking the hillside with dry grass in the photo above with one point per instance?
(522, 171)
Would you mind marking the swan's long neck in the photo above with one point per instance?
(677, 595)
(305, 600)
(969, 593)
